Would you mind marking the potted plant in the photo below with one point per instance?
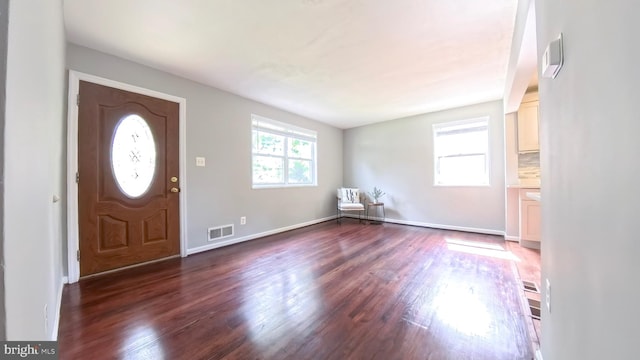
(376, 194)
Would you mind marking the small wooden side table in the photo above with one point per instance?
(377, 206)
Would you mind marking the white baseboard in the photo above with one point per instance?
(446, 227)
(56, 320)
(530, 244)
(512, 238)
(232, 241)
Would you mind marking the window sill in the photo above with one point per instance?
(280, 186)
(463, 185)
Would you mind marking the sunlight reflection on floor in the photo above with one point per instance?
(275, 306)
(140, 344)
(479, 248)
(459, 308)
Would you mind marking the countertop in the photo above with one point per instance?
(533, 195)
(526, 184)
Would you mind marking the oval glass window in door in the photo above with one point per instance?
(133, 155)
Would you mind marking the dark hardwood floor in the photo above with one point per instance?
(528, 266)
(328, 291)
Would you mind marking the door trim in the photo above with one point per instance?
(73, 245)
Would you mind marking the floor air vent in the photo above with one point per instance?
(534, 306)
(220, 232)
(530, 286)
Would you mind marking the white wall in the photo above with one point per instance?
(4, 27)
(511, 148)
(219, 128)
(522, 59)
(397, 156)
(33, 167)
(590, 126)
(512, 207)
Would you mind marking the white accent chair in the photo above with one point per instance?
(349, 200)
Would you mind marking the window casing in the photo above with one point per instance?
(283, 155)
(461, 153)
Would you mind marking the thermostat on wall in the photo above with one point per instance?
(552, 59)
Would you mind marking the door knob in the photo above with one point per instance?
(174, 179)
(175, 190)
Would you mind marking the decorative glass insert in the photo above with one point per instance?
(133, 155)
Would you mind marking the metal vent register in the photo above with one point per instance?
(220, 232)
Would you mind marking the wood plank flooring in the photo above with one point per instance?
(529, 269)
(328, 291)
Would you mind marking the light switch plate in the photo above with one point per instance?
(553, 58)
(200, 161)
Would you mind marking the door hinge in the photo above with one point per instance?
(78, 99)
(78, 255)
(77, 177)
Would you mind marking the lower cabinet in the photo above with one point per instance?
(529, 219)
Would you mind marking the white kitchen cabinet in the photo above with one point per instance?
(528, 140)
(529, 219)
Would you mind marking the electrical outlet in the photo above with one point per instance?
(243, 220)
(548, 295)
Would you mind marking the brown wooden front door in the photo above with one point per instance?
(128, 201)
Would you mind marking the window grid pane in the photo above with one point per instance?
(300, 149)
(271, 144)
(462, 170)
(299, 172)
(268, 169)
(464, 143)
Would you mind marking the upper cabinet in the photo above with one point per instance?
(528, 124)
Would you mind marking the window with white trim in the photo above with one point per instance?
(461, 153)
(282, 154)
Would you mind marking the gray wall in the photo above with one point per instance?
(397, 156)
(34, 153)
(590, 174)
(219, 128)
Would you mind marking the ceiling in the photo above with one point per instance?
(343, 62)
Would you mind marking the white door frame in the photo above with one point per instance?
(73, 244)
